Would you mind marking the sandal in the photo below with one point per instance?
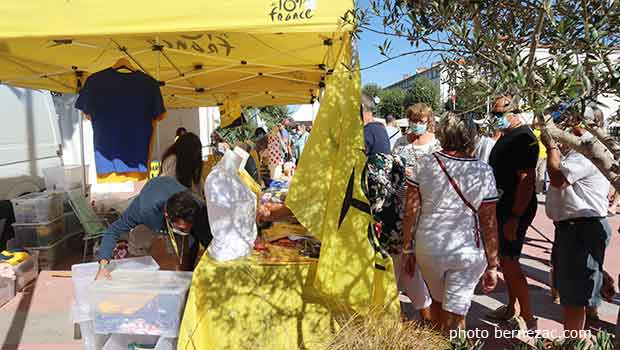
(502, 313)
(608, 289)
(519, 323)
(592, 313)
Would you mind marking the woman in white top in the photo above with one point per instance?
(421, 137)
(420, 141)
(451, 200)
(183, 160)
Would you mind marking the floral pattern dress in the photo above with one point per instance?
(383, 172)
(410, 155)
(386, 190)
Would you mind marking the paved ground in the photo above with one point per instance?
(535, 261)
(39, 318)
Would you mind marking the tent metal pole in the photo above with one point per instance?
(290, 79)
(214, 87)
(249, 63)
(203, 72)
(157, 133)
(187, 98)
(82, 155)
(130, 56)
(250, 97)
(179, 87)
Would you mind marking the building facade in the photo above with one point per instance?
(436, 73)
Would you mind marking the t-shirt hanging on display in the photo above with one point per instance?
(122, 107)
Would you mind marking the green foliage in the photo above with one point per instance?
(271, 115)
(471, 96)
(545, 51)
(423, 90)
(392, 102)
(371, 90)
(463, 343)
(601, 341)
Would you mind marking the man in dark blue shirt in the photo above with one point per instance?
(164, 206)
(375, 134)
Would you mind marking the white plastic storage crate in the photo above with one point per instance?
(140, 302)
(63, 178)
(50, 256)
(83, 275)
(7, 290)
(39, 234)
(37, 207)
(25, 272)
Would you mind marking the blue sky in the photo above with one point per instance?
(394, 70)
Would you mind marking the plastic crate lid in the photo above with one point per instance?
(139, 263)
(19, 224)
(131, 281)
(35, 195)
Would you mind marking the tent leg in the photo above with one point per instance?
(82, 156)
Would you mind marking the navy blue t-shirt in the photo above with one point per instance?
(122, 107)
(376, 138)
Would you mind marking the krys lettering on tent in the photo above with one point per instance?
(213, 44)
(290, 10)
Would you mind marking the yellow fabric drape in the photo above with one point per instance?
(326, 197)
(248, 180)
(255, 303)
(229, 111)
(247, 304)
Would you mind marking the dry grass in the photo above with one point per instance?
(385, 333)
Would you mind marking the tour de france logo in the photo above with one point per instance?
(290, 10)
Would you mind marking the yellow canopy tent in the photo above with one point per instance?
(267, 52)
(262, 52)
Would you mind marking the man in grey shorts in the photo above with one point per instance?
(577, 203)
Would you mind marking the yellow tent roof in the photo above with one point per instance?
(263, 52)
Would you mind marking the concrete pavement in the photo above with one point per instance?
(39, 318)
(536, 264)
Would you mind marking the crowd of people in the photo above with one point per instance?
(174, 202)
(455, 204)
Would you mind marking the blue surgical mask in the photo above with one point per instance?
(501, 120)
(503, 123)
(417, 128)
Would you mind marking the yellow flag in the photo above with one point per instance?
(230, 111)
(327, 198)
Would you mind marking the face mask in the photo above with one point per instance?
(501, 120)
(417, 128)
(503, 123)
(175, 230)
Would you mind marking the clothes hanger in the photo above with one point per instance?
(123, 63)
